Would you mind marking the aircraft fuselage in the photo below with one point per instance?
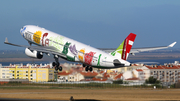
(70, 49)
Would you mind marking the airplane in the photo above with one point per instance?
(48, 42)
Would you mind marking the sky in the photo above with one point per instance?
(98, 23)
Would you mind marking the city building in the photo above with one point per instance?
(89, 75)
(36, 73)
(166, 73)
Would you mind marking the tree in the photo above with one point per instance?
(118, 82)
(152, 80)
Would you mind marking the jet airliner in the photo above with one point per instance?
(48, 42)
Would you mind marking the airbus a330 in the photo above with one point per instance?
(49, 42)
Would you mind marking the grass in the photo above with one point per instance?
(32, 87)
(19, 85)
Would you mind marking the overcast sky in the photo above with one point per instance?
(99, 23)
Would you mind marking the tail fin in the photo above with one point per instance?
(125, 47)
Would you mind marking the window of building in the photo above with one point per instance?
(50, 73)
(17, 71)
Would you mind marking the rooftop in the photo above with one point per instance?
(89, 74)
(164, 67)
(118, 76)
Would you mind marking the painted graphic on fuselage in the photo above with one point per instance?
(81, 55)
(37, 37)
(65, 49)
(98, 64)
(73, 50)
(88, 57)
(45, 41)
(57, 42)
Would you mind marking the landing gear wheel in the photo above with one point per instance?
(60, 68)
(90, 69)
(87, 68)
(57, 64)
(56, 68)
(53, 64)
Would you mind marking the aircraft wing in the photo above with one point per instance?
(137, 50)
(42, 49)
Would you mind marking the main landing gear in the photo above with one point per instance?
(88, 68)
(56, 64)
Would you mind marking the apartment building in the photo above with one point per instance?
(164, 73)
(37, 73)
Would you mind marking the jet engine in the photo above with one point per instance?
(33, 54)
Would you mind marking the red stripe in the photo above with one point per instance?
(127, 47)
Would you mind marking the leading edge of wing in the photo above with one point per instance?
(6, 42)
(137, 50)
(52, 50)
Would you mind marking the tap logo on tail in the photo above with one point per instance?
(125, 47)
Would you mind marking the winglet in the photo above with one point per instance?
(6, 40)
(171, 45)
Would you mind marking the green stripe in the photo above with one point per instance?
(119, 49)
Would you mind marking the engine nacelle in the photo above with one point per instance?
(33, 54)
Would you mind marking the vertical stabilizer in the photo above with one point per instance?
(125, 47)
